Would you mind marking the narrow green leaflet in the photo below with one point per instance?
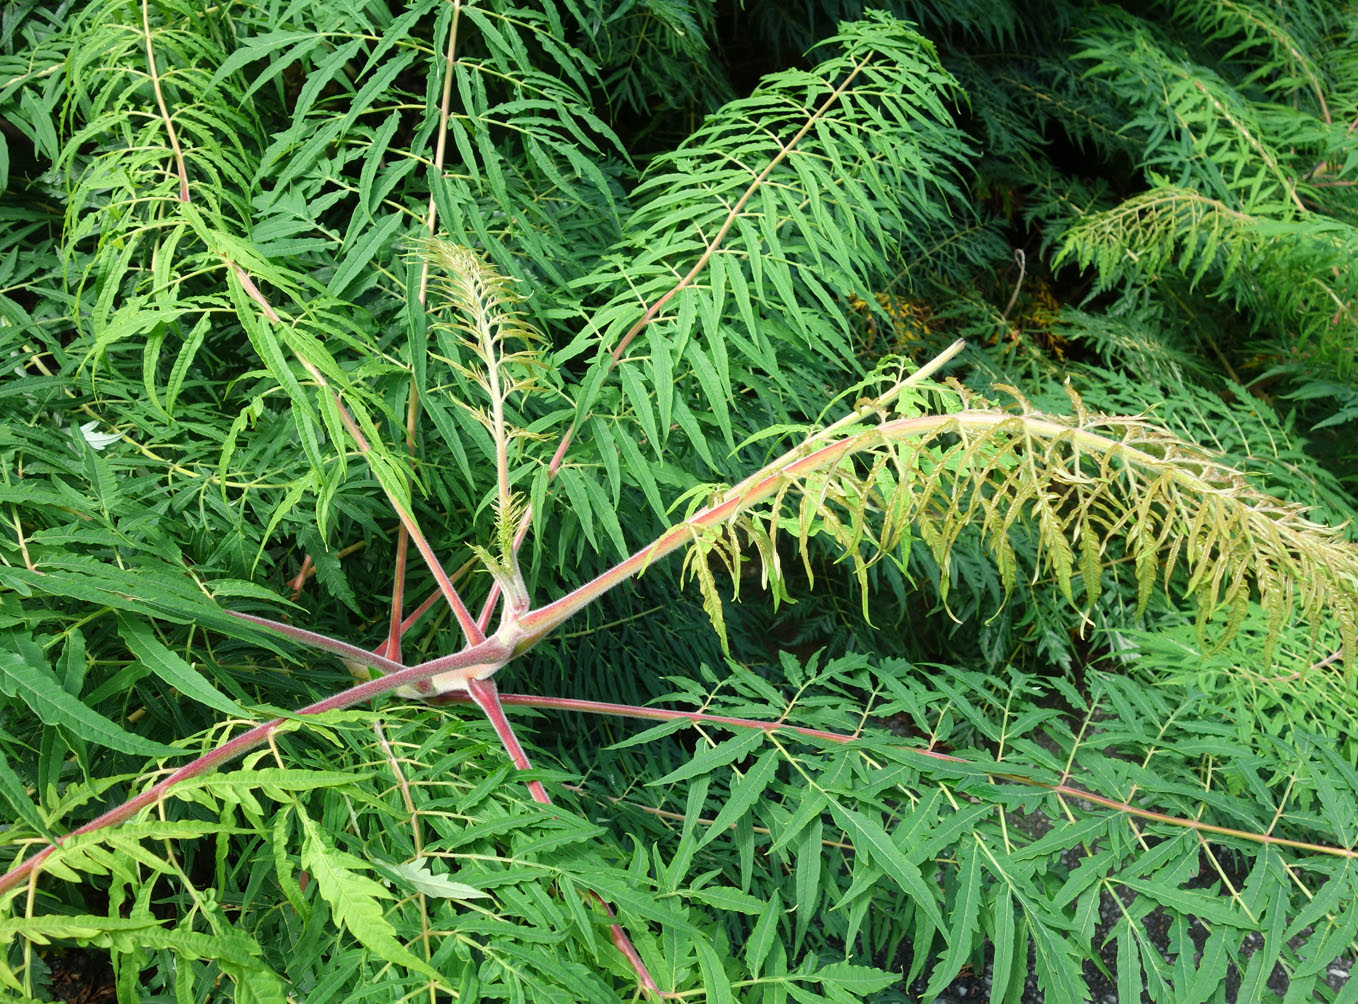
(255, 985)
(148, 588)
(626, 898)
(142, 642)
(764, 934)
(1058, 968)
(714, 387)
(17, 796)
(869, 837)
(744, 793)
(809, 808)
(423, 879)
(856, 980)
(1002, 938)
(362, 252)
(640, 397)
(1211, 973)
(640, 470)
(1211, 908)
(806, 884)
(726, 898)
(355, 900)
(76, 927)
(965, 908)
(37, 686)
(712, 757)
(1129, 964)
(654, 732)
(715, 981)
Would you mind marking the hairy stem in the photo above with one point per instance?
(396, 621)
(472, 633)
(757, 488)
(794, 465)
(487, 698)
(489, 651)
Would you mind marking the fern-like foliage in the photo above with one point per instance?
(1073, 487)
(1233, 202)
(1033, 676)
(763, 214)
(1181, 230)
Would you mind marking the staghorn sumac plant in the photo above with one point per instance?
(525, 426)
(862, 480)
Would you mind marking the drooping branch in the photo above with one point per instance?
(1168, 503)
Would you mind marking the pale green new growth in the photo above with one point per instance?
(482, 320)
(1092, 494)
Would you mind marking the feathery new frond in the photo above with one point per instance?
(482, 320)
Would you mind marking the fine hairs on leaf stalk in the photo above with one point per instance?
(291, 291)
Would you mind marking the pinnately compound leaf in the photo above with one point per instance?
(355, 900)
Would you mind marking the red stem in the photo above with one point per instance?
(473, 634)
(1064, 790)
(540, 622)
(487, 698)
(396, 626)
